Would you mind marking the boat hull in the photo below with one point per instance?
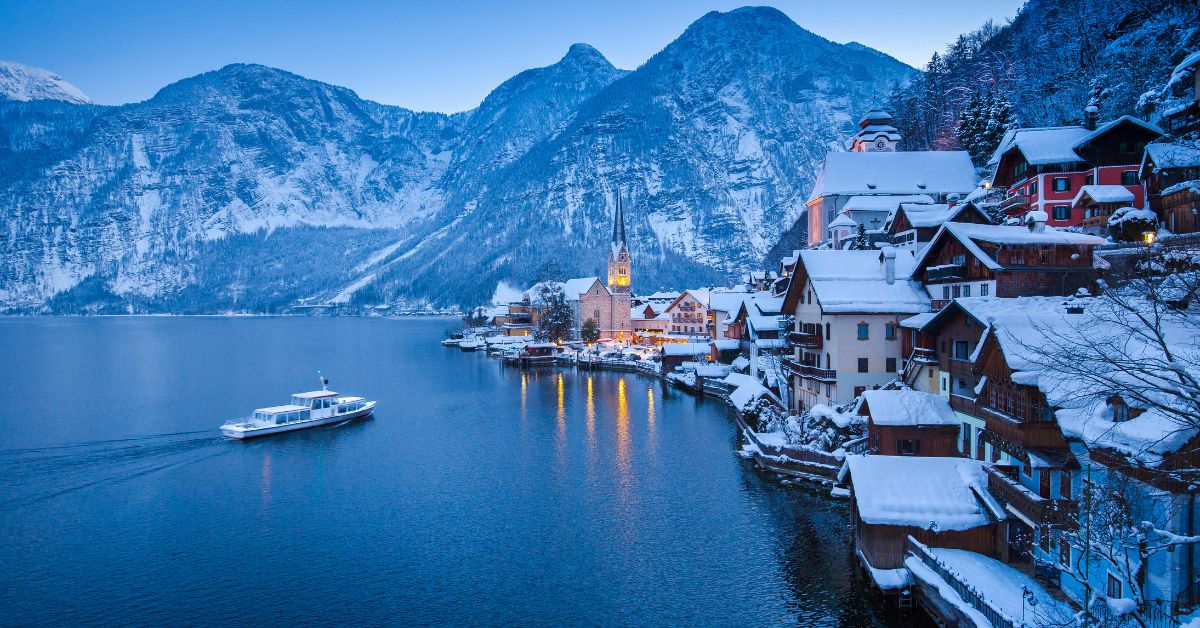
(246, 434)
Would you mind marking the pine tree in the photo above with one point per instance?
(590, 332)
(861, 241)
(557, 321)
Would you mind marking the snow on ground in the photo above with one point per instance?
(1002, 585)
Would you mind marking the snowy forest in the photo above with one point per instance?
(1055, 58)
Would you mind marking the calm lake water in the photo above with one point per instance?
(479, 494)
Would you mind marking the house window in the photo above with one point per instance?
(966, 291)
(1062, 184)
(1089, 180)
(891, 365)
(862, 365)
(1129, 177)
(859, 390)
(827, 360)
(863, 331)
(1033, 189)
(827, 390)
(1062, 212)
(1113, 590)
(945, 293)
(961, 351)
(1064, 553)
(983, 289)
(1064, 484)
(827, 331)
(889, 331)
(908, 447)
(1126, 148)
(957, 291)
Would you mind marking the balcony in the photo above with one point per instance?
(809, 372)
(804, 340)
(1003, 484)
(1032, 432)
(946, 271)
(965, 405)
(1016, 201)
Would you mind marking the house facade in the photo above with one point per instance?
(846, 308)
(1044, 168)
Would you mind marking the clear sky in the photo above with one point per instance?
(433, 56)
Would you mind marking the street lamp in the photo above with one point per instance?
(1148, 237)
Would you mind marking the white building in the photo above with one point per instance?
(846, 335)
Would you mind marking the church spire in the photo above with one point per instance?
(618, 236)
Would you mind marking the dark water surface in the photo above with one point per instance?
(478, 494)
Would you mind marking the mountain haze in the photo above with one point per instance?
(251, 188)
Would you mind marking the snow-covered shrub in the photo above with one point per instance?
(1129, 223)
(824, 428)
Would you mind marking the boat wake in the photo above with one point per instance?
(33, 475)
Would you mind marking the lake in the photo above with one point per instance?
(478, 494)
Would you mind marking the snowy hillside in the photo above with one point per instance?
(24, 83)
(159, 205)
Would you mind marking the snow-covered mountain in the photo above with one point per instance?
(252, 188)
(23, 83)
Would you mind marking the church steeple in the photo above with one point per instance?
(618, 254)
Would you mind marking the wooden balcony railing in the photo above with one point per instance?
(1003, 485)
(966, 405)
(1016, 200)
(810, 372)
(946, 271)
(1024, 433)
(805, 340)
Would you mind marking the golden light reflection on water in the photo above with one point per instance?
(623, 466)
(524, 387)
(650, 432)
(561, 422)
(591, 416)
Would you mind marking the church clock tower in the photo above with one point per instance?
(620, 313)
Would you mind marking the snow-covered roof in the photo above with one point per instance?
(761, 323)
(1186, 64)
(969, 234)
(908, 407)
(1034, 341)
(685, 348)
(923, 216)
(663, 295)
(895, 173)
(917, 321)
(843, 220)
(1104, 194)
(854, 281)
(724, 344)
(883, 203)
(1057, 144)
(1042, 145)
(1105, 128)
(571, 288)
(930, 493)
(1173, 155)
(278, 409)
(727, 301)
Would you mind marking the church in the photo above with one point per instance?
(864, 184)
(611, 306)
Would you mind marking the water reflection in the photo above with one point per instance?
(560, 419)
(651, 432)
(266, 480)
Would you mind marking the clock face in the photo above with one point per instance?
(881, 143)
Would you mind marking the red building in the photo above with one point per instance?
(1044, 168)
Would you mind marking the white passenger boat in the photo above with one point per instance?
(305, 410)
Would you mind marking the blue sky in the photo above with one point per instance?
(438, 56)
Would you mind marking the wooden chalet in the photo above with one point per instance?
(940, 501)
(1097, 202)
(966, 260)
(913, 224)
(909, 423)
(1172, 175)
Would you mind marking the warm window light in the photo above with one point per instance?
(1148, 237)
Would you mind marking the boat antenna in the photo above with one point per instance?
(324, 382)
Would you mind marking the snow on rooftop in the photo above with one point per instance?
(1174, 154)
(1104, 194)
(1105, 128)
(1004, 587)
(969, 234)
(1042, 145)
(854, 281)
(931, 493)
(884, 202)
(921, 216)
(685, 348)
(917, 321)
(908, 407)
(571, 288)
(843, 220)
(896, 173)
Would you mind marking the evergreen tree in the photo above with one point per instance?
(590, 332)
(557, 321)
(861, 241)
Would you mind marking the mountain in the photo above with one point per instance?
(251, 188)
(24, 83)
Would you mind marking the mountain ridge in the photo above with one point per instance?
(713, 140)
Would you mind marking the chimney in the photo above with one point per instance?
(1091, 116)
(952, 200)
(889, 264)
(1036, 221)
